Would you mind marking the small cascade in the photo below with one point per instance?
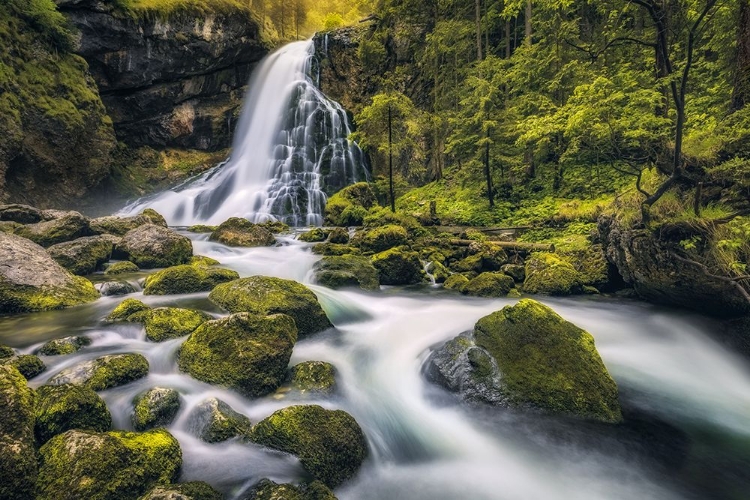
(291, 151)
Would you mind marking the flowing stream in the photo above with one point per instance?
(686, 398)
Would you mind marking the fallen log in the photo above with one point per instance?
(515, 246)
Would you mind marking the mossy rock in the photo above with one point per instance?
(456, 282)
(548, 363)
(104, 373)
(9, 227)
(346, 271)
(439, 272)
(83, 256)
(338, 236)
(268, 490)
(194, 490)
(329, 443)
(114, 288)
(126, 309)
(547, 274)
(237, 232)
(385, 217)
(151, 246)
(157, 407)
(349, 206)
(515, 271)
(381, 238)
(112, 465)
(120, 226)
(215, 421)
(275, 226)
(315, 235)
(245, 352)
(6, 352)
(591, 264)
(18, 464)
(398, 267)
(119, 268)
(489, 285)
(263, 295)
(64, 346)
(314, 376)
(202, 228)
(20, 214)
(154, 217)
(187, 278)
(166, 323)
(201, 260)
(335, 249)
(30, 366)
(64, 407)
(69, 227)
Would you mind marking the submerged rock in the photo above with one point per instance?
(156, 407)
(245, 352)
(195, 490)
(268, 490)
(122, 465)
(29, 366)
(104, 373)
(18, 465)
(489, 285)
(30, 280)
(64, 407)
(263, 295)
(189, 278)
(150, 246)
(346, 271)
(214, 421)
(398, 267)
(114, 288)
(329, 443)
(69, 226)
(237, 232)
(84, 255)
(547, 274)
(121, 268)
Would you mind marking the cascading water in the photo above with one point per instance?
(291, 150)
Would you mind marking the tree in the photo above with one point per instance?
(741, 93)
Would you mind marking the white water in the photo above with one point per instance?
(291, 147)
(423, 444)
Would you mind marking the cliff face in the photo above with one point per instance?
(342, 77)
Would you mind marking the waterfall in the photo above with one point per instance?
(290, 152)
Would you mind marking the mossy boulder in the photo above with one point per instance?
(329, 443)
(30, 366)
(384, 217)
(84, 255)
(548, 363)
(335, 249)
(489, 285)
(547, 274)
(338, 236)
(157, 407)
(69, 227)
(104, 373)
(187, 278)
(194, 490)
(120, 226)
(483, 257)
(126, 309)
(202, 228)
(381, 238)
(64, 407)
(237, 232)
(9, 227)
(275, 226)
(314, 376)
(30, 280)
(112, 465)
(245, 352)
(119, 268)
(150, 246)
(315, 235)
(215, 421)
(515, 271)
(266, 489)
(456, 282)
(591, 264)
(166, 323)
(18, 465)
(6, 352)
(398, 267)
(346, 271)
(349, 206)
(202, 260)
(439, 272)
(263, 295)
(21, 214)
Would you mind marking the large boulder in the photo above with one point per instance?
(329, 443)
(398, 267)
(345, 271)
(119, 226)
(548, 274)
(266, 489)
(263, 295)
(245, 352)
(215, 421)
(151, 246)
(157, 407)
(489, 285)
(194, 490)
(187, 278)
(237, 232)
(22, 214)
(64, 407)
(380, 239)
(84, 255)
(69, 226)
(30, 280)
(456, 282)
(18, 467)
(103, 373)
(112, 465)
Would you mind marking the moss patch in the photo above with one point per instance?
(65, 407)
(156, 407)
(489, 285)
(237, 232)
(189, 278)
(547, 274)
(314, 376)
(398, 267)
(346, 271)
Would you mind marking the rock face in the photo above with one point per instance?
(31, 281)
(65, 407)
(151, 246)
(18, 467)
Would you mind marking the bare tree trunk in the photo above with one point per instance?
(478, 8)
(741, 93)
(528, 23)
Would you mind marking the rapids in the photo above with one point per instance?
(686, 399)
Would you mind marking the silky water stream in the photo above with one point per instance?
(686, 398)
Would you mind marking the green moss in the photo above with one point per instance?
(187, 278)
(349, 206)
(20, 298)
(6, 352)
(268, 490)
(398, 267)
(338, 236)
(123, 465)
(546, 273)
(335, 249)
(381, 238)
(329, 444)
(127, 308)
(202, 228)
(156, 407)
(121, 268)
(65, 407)
(315, 235)
(64, 346)
(18, 467)
(154, 217)
(29, 366)
(548, 362)
(105, 372)
(165, 323)
(314, 376)
(195, 490)
(215, 421)
(200, 260)
(456, 282)
(346, 271)
(237, 232)
(384, 217)
(263, 295)
(245, 352)
(489, 285)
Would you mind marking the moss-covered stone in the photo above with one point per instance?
(20, 214)
(237, 232)
(65, 407)
(346, 271)
(515, 271)
(126, 309)
(275, 226)
(187, 279)
(195, 490)
(18, 466)
(201, 260)
(381, 238)
(456, 282)
(151, 246)
(215, 421)
(157, 407)
(398, 267)
(489, 285)
(263, 295)
(268, 490)
(98, 466)
(9, 227)
(548, 363)
(105, 372)
(439, 272)
(118, 268)
(314, 376)
(547, 274)
(384, 217)
(63, 346)
(67, 228)
(30, 366)
(202, 228)
(154, 217)
(329, 443)
(6, 352)
(338, 236)
(166, 323)
(315, 235)
(114, 288)
(591, 264)
(84, 255)
(246, 352)
(335, 249)
(120, 226)
(349, 206)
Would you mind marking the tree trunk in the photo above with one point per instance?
(390, 160)
(528, 23)
(741, 93)
(478, 8)
(507, 39)
(488, 172)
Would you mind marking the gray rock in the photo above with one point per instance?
(66, 345)
(105, 372)
(156, 407)
(84, 255)
(151, 246)
(67, 227)
(214, 421)
(113, 288)
(23, 214)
